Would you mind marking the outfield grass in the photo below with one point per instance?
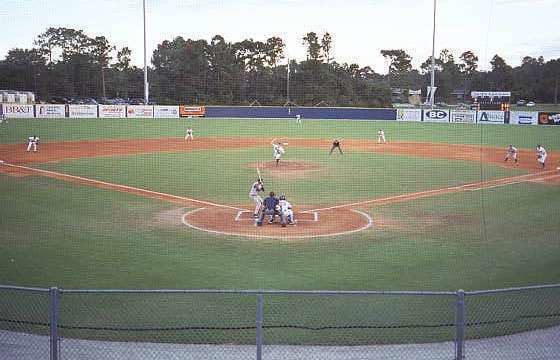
(17, 131)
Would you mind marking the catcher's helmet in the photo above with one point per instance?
(282, 197)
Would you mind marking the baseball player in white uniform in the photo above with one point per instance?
(541, 155)
(381, 136)
(277, 151)
(298, 119)
(254, 195)
(32, 142)
(286, 211)
(511, 154)
(189, 134)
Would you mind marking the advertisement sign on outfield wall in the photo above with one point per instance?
(435, 115)
(187, 111)
(549, 118)
(161, 111)
(463, 116)
(409, 115)
(18, 111)
(492, 117)
(82, 111)
(112, 111)
(50, 111)
(524, 117)
(140, 111)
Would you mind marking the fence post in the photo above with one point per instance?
(53, 320)
(460, 326)
(260, 319)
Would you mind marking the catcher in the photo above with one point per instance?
(286, 211)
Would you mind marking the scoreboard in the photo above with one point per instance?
(492, 100)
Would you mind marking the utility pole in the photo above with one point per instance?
(556, 92)
(146, 86)
(288, 84)
(432, 80)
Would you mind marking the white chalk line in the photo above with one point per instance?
(287, 237)
(426, 193)
(240, 213)
(543, 179)
(119, 186)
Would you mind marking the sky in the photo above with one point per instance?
(360, 29)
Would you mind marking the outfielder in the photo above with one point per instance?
(32, 142)
(381, 136)
(189, 134)
(541, 155)
(277, 151)
(286, 211)
(257, 187)
(511, 154)
(298, 119)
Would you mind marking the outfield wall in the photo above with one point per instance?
(490, 117)
(305, 112)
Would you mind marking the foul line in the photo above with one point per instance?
(488, 184)
(239, 216)
(113, 186)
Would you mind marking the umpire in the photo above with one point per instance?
(336, 145)
(270, 206)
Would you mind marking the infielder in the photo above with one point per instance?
(511, 154)
(286, 211)
(541, 155)
(381, 136)
(189, 134)
(257, 187)
(277, 151)
(32, 142)
(298, 119)
(336, 145)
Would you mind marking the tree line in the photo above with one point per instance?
(68, 62)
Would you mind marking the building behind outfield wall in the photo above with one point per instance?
(17, 97)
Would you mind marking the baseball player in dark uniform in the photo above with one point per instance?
(336, 145)
(270, 209)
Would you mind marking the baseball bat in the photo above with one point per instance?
(259, 173)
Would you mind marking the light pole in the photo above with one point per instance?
(146, 86)
(288, 84)
(432, 80)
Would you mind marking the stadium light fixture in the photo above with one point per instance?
(432, 78)
(146, 86)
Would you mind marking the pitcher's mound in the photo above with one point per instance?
(287, 169)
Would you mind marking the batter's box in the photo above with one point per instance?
(311, 216)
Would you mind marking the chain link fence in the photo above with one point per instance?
(61, 324)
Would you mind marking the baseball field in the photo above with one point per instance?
(131, 204)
